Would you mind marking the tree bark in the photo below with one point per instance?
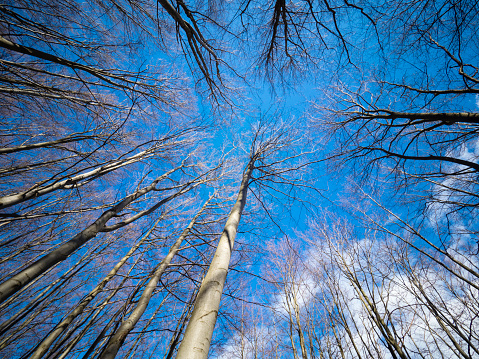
(72, 182)
(118, 338)
(63, 325)
(198, 333)
(19, 280)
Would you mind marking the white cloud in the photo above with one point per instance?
(323, 281)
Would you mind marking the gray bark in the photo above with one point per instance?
(198, 333)
(118, 338)
(74, 137)
(73, 182)
(19, 280)
(62, 326)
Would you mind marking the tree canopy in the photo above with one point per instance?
(239, 179)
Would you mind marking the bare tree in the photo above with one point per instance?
(415, 126)
(268, 166)
(198, 333)
(117, 339)
(368, 294)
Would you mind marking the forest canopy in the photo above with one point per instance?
(239, 179)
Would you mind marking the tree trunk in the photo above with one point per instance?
(197, 338)
(118, 338)
(59, 254)
(62, 326)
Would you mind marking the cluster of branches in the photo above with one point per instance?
(339, 293)
(53, 260)
(408, 127)
(101, 173)
(411, 121)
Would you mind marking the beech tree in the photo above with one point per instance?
(120, 118)
(200, 327)
(341, 291)
(417, 124)
(88, 138)
(265, 164)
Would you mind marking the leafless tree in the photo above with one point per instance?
(266, 160)
(368, 294)
(415, 126)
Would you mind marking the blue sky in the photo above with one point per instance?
(310, 96)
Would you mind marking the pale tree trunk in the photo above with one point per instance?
(291, 327)
(39, 190)
(66, 345)
(59, 254)
(62, 326)
(299, 328)
(181, 324)
(198, 333)
(45, 293)
(118, 338)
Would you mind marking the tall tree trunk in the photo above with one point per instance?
(59, 254)
(39, 189)
(118, 338)
(62, 326)
(198, 333)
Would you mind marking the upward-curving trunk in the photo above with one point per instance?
(12, 285)
(63, 325)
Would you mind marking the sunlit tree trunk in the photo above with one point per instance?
(76, 181)
(198, 333)
(118, 338)
(62, 326)
(59, 254)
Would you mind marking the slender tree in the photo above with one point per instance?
(117, 339)
(197, 338)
